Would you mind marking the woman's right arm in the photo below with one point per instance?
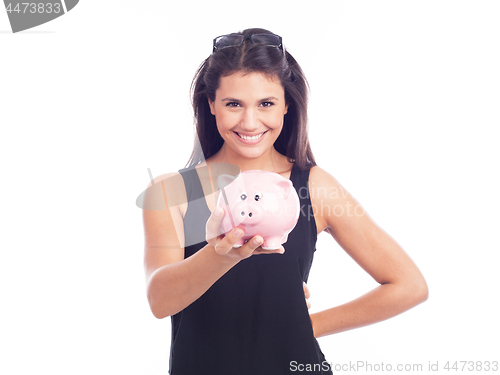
(173, 282)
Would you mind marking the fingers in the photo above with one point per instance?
(306, 290)
(224, 243)
(306, 294)
(260, 250)
(225, 246)
(251, 247)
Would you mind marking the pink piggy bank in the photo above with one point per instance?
(261, 203)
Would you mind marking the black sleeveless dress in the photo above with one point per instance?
(254, 320)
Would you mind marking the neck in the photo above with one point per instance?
(269, 161)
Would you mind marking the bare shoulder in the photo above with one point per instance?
(330, 200)
(321, 178)
(169, 187)
(168, 178)
(320, 183)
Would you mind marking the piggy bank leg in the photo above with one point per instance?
(271, 243)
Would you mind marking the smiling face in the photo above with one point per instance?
(249, 112)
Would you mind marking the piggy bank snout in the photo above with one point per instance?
(248, 213)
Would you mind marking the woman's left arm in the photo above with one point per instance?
(402, 285)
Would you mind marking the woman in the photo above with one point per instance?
(234, 312)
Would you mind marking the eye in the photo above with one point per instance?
(267, 104)
(258, 197)
(243, 196)
(232, 104)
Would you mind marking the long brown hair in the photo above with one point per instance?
(293, 141)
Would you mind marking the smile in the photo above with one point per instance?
(250, 140)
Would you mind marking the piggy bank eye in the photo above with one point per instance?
(258, 197)
(243, 196)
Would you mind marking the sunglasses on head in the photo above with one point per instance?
(233, 40)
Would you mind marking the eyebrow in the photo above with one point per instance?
(237, 100)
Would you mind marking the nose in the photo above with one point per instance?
(249, 214)
(250, 121)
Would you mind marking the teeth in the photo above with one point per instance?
(250, 138)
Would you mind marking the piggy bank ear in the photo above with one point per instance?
(285, 186)
(224, 179)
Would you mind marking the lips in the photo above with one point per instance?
(249, 135)
(250, 139)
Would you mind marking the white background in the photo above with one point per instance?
(404, 112)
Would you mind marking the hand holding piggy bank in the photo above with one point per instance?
(261, 203)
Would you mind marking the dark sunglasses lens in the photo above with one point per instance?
(267, 39)
(228, 41)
